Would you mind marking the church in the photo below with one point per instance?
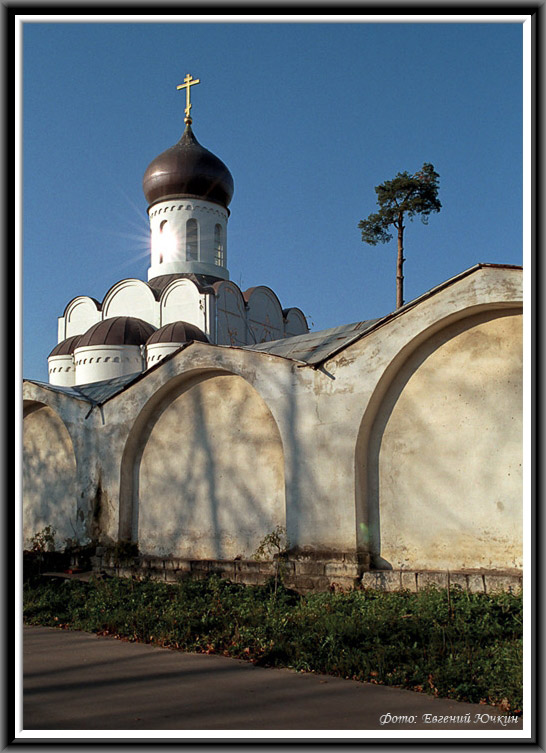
(186, 419)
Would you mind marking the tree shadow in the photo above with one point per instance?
(444, 456)
(204, 461)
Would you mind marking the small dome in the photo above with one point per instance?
(119, 330)
(177, 332)
(188, 169)
(66, 347)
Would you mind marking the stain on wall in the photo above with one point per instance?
(49, 476)
(211, 478)
(449, 435)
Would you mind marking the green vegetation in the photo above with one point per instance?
(42, 546)
(404, 196)
(275, 545)
(43, 541)
(467, 647)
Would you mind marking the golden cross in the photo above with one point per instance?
(188, 81)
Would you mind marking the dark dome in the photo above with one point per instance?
(66, 347)
(203, 282)
(177, 332)
(119, 330)
(188, 169)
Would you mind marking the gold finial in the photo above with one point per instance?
(188, 81)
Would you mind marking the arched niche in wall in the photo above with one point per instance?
(131, 297)
(80, 314)
(231, 321)
(182, 301)
(203, 470)
(442, 467)
(264, 315)
(49, 474)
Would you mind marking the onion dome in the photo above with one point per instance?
(66, 347)
(188, 169)
(177, 332)
(119, 330)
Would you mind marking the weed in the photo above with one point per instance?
(275, 545)
(43, 541)
(124, 552)
(468, 648)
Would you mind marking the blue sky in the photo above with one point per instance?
(309, 118)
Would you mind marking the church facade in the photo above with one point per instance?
(193, 419)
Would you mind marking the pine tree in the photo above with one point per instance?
(404, 196)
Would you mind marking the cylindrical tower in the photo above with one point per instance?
(169, 338)
(61, 362)
(111, 348)
(188, 190)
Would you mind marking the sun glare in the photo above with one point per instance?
(164, 244)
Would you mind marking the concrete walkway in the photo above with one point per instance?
(78, 681)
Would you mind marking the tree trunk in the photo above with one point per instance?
(399, 264)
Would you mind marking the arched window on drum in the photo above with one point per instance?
(219, 255)
(192, 240)
(163, 236)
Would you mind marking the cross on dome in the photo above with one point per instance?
(188, 81)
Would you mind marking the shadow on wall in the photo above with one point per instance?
(49, 475)
(445, 451)
(203, 470)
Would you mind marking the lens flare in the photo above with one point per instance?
(163, 245)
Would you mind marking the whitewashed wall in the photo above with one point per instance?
(373, 437)
(61, 370)
(295, 322)
(231, 324)
(450, 460)
(182, 301)
(264, 315)
(94, 363)
(49, 476)
(168, 222)
(80, 314)
(131, 297)
(211, 480)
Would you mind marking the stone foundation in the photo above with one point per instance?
(306, 571)
(303, 571)
(472, 581)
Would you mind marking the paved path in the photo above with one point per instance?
(77, 681)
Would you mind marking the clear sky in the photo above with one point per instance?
(309, 118)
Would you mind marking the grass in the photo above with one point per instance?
(467, 647)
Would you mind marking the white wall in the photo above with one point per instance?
(231, 323)
(264, 315)
(329, 423)
(296, 323)
(97, 362)
(49, 476)
(157, 351)
(168, 241)
(61, 370)
(182, 301)
(450, 461)
(80, 314)
(131, 298)
(211, 482)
